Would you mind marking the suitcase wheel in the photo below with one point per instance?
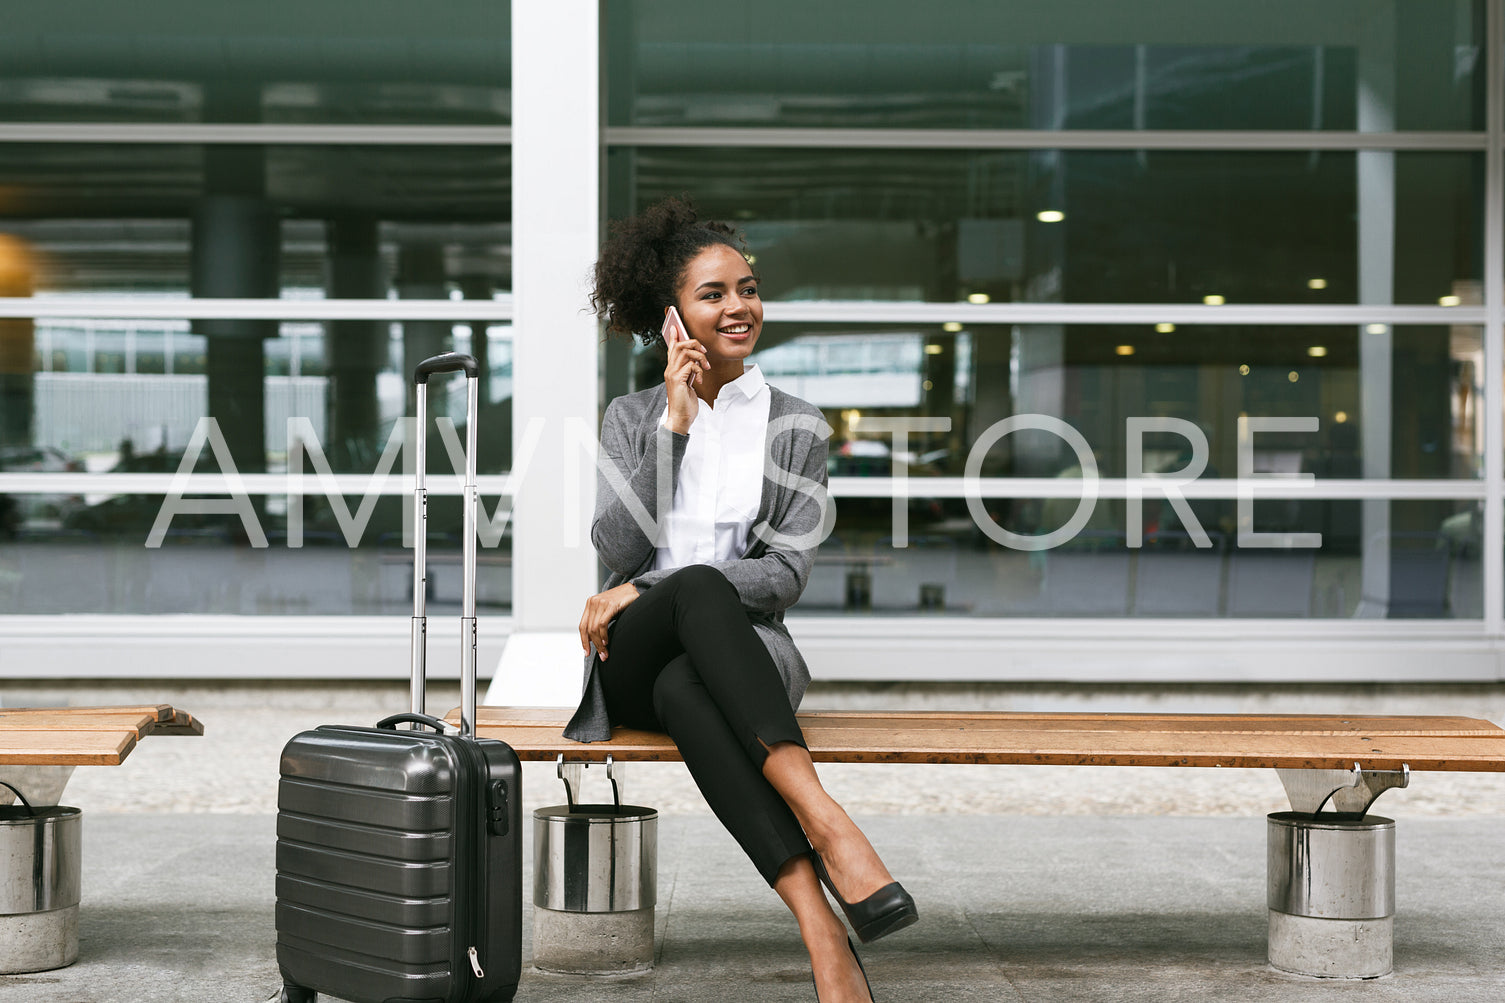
(296, 994)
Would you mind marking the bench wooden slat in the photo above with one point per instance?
(1257, 741)
(906, 731)
(1294, 724)
(158, 712)
(1205, 749)
(161, 719)
(48, 719)
(180, 722)
(67, 748)
(1191, 722)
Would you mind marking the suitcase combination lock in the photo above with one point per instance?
(496, 808)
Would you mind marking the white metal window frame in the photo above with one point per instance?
(1189, 140)
(857, 647)
(46, 307)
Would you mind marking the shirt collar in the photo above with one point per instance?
(749, 384)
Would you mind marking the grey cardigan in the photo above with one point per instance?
(792, 518)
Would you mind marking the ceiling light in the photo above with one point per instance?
(929, 385)
(1243, 370)
(933, 349)
(1164, 327)
(1317, 351)
(1050, 215)
(1213, 299)
(1340, 417)
(1125, 350)
(1293, 376)
(1448, 301)
(1377, 329)
(978, 298)
(1316, 283)
(951, 326)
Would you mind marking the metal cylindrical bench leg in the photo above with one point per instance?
(595, 887)
(39, 888)
(1331, 895)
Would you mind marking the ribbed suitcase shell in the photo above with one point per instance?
(390, 866)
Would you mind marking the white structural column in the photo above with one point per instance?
(1494, 328)
(1376, 205)
(556, 135)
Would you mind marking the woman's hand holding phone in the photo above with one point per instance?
(686, 360)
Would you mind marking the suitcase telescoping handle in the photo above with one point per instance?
(449, 362)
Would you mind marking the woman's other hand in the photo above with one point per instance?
(600, 610)
(686, 361)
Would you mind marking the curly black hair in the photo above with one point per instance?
(644, 260)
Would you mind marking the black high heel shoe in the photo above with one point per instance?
(861, 969)
(888, 909)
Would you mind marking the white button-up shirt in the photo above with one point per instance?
(720, 483)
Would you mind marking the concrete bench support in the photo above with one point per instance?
(41, 785)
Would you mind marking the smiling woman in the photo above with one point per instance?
(718, 299)
(687, 637)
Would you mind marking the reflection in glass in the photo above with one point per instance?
(1424, 562)
(276, 61)
(95, 560)
(1134, 227)
(127, 396)
(1103, 65)
(349, 222)
(1204, 378)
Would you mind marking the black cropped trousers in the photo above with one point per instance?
(683, 658)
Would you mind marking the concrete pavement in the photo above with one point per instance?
(179, 908)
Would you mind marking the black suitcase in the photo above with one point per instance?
(399, 853)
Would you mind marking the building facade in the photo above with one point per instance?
(1159, 341)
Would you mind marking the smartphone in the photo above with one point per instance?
(674, 331)
(674, 327)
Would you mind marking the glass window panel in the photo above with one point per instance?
(1157, 227)
(94, 560)
(345, 222)
(980, 374)
(1279, 64)
(343, 62)
(89, 399)
(1377, 559)
(1425, 386)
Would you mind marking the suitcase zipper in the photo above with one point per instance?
(477, 899)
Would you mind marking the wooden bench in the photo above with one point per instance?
(1274, 741)
(1340, 763)
(40, 746)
